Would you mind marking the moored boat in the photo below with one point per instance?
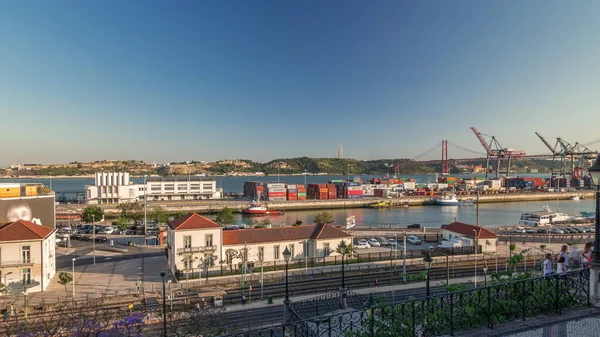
(446, 200)
(544, 217)
(259, 209)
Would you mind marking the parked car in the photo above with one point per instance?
(107, 230)
(568, 230)
(383, 241)
(557, 231)
(362, 245)
(520, 229)
(585, 229)
(364, 241)
(413, 239)
(101, 239)
(414, 226)
(374, 243)
(529, 230)
(392, 242)
(542, 230)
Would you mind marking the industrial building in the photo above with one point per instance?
(115, 187)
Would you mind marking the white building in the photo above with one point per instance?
(469, 235)
(195, 241)
(27, 252)
(115, 187)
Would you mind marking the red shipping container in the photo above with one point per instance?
(355, 192)
(292, 198)
(276, 194)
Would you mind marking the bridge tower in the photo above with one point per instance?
(445, 166)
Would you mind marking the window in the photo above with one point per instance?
(291, 248)
(182, 187)
(261, 253)
(187, 241)
(169, 187)
(25, 254)
(275, 252)
(209, 240)
(207, 187)
(326, 249)
(26, 275)
(195, 187)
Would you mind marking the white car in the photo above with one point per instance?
(413, 239)
(362, 245)
(106, 230)
(374, 243)
(520, 229)
(363, 241)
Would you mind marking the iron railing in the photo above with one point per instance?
(447, 313)
(15, 263)
(320, 305)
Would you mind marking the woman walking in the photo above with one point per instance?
(548, 268)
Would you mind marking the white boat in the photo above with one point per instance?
(544, 217)
(575, 197)
(446, 200)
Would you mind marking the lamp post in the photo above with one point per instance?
(94, 237)
(74, 278)
(485, 270)
(162, 274)
(25, 298)
(594, 172)
(404, 258)
(286, 302)
(395, 249)
(475, 250)
(427, 260)
(343, 249)
(306, 256)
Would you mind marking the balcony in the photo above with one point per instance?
(17, 263)
(197, 249)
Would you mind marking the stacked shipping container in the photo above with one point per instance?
(276, 192)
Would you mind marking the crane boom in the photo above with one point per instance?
(485, 145)
(552, 149)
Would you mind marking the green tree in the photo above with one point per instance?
(65, 278)
(122, 223)
(297, 223)
(323, 217)
(92, 213)
(132, 211)
(349, 249)
(226, 217)
(3, 289)
(159, 214)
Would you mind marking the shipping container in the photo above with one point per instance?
(291, 187)
(301, 194)
(10, 192)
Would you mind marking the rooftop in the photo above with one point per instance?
(23, 231)
(179, 179)
(467, 230)
(193, 221)
(279, 234)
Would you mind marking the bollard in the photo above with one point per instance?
(270, 301)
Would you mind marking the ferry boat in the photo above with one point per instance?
(259, 209)
(449, 200)
(544, 217)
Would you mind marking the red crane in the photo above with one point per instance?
(493, 149)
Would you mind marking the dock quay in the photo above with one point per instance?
(215, 206)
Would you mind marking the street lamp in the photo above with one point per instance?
(475, 250)
(343, 251)
(485, 270)
(94, 237)
(162, 274)
(404, 257)
(594, 172)
(427, 260)
(74, 278)
(286, 302)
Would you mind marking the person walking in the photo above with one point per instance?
(586, 258)
(548, 267)
(561, 267)
(565, 255)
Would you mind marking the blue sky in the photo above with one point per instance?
(208, 80)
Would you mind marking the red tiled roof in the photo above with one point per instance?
(467, 230)
(314, 232)
(193, 221)
(23, 230)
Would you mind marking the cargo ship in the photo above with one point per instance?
(259, 209)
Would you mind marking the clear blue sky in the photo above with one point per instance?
(208, 80)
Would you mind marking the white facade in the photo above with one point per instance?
(33, 260)
(115, 187)
(190, 250)
(487, 245)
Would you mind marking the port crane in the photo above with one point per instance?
(567, 151)
(494, 150)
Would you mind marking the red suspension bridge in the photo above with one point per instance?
(577, 155)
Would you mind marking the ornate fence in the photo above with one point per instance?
(447, 313)
(321, 305)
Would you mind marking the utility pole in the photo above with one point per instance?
(404, 256)
(94, 237)
(145, 207)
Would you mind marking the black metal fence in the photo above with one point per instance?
(447, 313)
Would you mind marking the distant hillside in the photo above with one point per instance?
(331, 166)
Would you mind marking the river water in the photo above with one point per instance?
(429, 216)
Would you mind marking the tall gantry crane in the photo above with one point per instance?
(494, 150)
(569, 152)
